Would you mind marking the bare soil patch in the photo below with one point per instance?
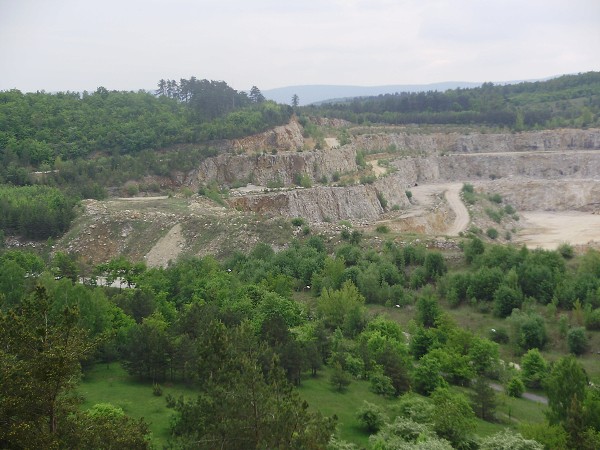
(166, 249)
(548, 230)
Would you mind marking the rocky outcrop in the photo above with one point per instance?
(228, 169)
(319, 204)
(286, 137)
(453, 167)
(436, 143)
(548, 195)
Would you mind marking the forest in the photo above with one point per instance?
(566, 101)
(246, 334)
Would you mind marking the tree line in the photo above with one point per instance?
(36, 128)
(566, 101)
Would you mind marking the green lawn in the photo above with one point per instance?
(114, 385)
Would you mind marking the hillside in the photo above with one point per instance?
(303, 282)
(310, 94)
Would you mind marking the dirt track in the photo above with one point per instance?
(423, 196)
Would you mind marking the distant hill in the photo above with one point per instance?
(320, 92)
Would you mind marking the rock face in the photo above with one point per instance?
(360, 202)
(549, 195)
(436, 143)
(280, 168)
(416, 158)
(286, 137)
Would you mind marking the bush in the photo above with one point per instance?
(492, 233)
(408, 194)
(360, 159)
(467, 188)
(383, 229)
(495, 198)
(498, 335)
(157, 390)
(529, 330)
(592, 320)
(368, 179)
(534, 368)
(577, 340)
(566, 250)
(382, 384)
(515, 387)
(382, 201)
(298, 221)
(371, 417)
(494, 214)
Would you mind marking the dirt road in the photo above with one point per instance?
(424, 198)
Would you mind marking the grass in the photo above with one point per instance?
(322, 396)
(113, 385)
(318, 392)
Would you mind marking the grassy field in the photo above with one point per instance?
(318, 392)
(113, 385)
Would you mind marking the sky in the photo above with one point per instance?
(76, 45)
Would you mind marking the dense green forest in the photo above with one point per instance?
(566, 101)
(242, 333)
(37, 129)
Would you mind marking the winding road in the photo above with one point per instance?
(423, 196)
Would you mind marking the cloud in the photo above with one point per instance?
(69, 44)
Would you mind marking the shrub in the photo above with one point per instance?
(529, 330)
(157, 390)
(371, 417)
(492, 233)
(566, 250)
(508, 209)
(382, 201)
(577, 340)
(298, 221)
(383, 229)
(381, 384)
(494, 214)
(408, 194)
(360, 159)
(515, 387)
(368, 179)
(495, 198)
(275, 184)
(534, 368)
(467, 188)
(592, 320)
(355, 237)
(499, 335)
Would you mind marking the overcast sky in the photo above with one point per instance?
(77, 45)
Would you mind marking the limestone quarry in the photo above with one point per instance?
(408, 180)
